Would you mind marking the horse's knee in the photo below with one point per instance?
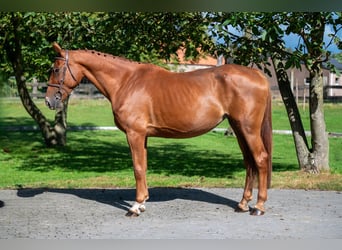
(139, 172)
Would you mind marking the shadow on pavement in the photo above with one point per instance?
(119, 197)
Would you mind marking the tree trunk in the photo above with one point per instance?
(316, 159)
(60, 128)
(298, 132)
(52, 135)
(319, 158)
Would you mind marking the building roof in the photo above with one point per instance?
(203, 59)
(336, 63)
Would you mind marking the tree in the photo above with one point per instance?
(25, 50)
(14, 34)
(338, 56)
(26, 38)
(255, 37)
(152, 36)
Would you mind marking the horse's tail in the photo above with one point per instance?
(266, 134)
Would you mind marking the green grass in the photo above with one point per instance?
(80, 112)
(332, 112)
(99, 113)
(101, 159)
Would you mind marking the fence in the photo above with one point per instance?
(87, 90)
(84, 90)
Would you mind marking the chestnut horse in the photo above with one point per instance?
(148, 100)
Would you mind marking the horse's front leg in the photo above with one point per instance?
(138, 145)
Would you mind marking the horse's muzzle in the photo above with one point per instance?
(51, 103)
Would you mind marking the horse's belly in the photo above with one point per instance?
(183, 129)
(173, 133)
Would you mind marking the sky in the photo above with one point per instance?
(292, 40)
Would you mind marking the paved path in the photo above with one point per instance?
(172, 213)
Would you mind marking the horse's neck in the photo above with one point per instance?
(105, 72)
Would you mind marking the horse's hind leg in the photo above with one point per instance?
(248, 190)
(260, 159)
(248, 161)
(256, 160)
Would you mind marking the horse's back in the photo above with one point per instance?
(236, 85)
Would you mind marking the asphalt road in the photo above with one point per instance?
(172, 213)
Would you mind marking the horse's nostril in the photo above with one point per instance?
(47, 102)
(58, 96)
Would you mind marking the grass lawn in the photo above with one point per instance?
(101, 159)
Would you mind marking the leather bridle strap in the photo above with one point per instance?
(61, 81)
(67, 64)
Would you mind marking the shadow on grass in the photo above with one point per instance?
(98, 151)
(9, 121)
(15, 123)
(123, 198)
(100, 154)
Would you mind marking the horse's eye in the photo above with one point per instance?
(56, 70)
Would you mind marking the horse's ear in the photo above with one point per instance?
(57, 48)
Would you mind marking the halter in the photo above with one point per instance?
(66, 66)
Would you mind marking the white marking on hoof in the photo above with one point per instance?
(142, 208)
(137, 208)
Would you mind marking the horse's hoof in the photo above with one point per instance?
(131, 214)
(142, 208)
(257, 212)
(239, 209)
(136, 209)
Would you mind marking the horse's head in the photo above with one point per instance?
(65, 76)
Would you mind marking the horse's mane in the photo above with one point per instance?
(113, 57)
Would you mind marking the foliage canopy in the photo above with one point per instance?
(147, 37)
